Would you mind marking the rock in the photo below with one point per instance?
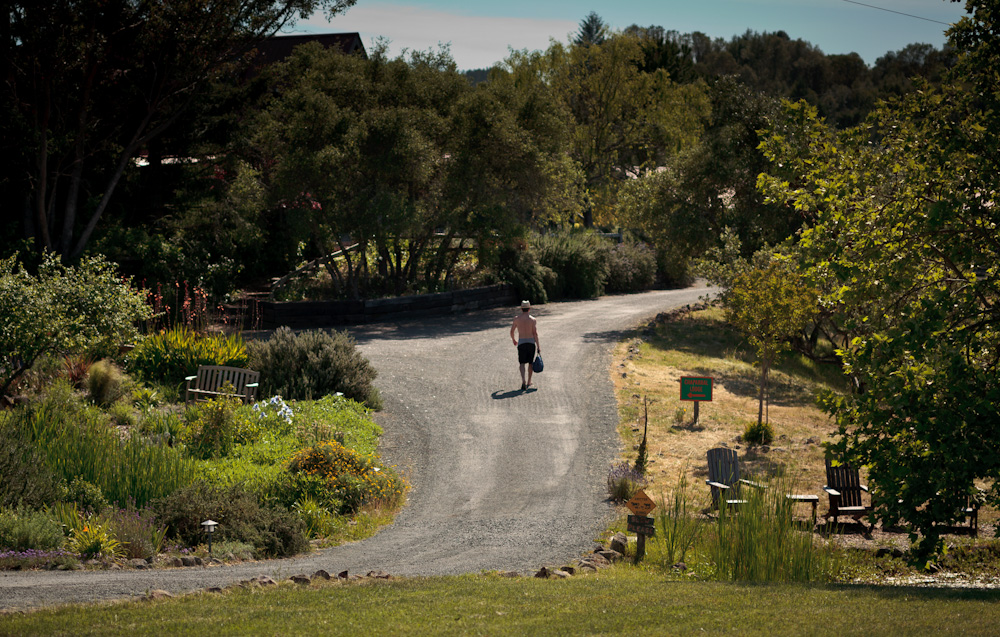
(213, 589)
(114, 567)
(611, 556)
(509, 574)
(321, 574)
(619, 543)
(216, 561)
(543, 573)
(263, 580)
(560, 574)
(588, 567)
(187, 560)
(157, 594)
(597, 559)
(176, 562)
(198, 561)
(680, 566)
(138, 563)
(569, 569)
(343, 575)
(301, 578)
(379, 575)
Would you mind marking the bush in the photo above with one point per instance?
(105, 383)
(758, 433)
(579, 261)
(517, 265)
(312, 365)
(212, 431)
(337, 418)
(138, 532)
(25, 529)
(624, 481)
(173, 354)
(85, 495)
(631, 268)
(26, 479)
(95, 539)
(336, 475)
(274, 532)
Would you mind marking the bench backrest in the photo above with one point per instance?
(212, 377)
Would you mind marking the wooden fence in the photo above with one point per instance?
(305, 314)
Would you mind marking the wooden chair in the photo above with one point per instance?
(724, 478)
(843, 485)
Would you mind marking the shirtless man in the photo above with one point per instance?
(526, 342)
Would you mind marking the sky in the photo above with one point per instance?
(480, 34)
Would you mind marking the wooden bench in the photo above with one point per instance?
(210, 380)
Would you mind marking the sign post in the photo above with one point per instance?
(640, 505)
(697, 389)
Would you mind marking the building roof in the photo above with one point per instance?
(278, 48)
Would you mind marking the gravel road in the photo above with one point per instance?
(502, 479)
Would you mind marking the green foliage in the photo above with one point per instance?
(63, 310)
(137, 531)
(25, 529)
(631, 268)
(318, 520)
(105, 383)
(74, 441)
(517, 265)
(85, 495)
(769, 305)
(273, 532)
(334, 417)
(760, 542)
(679, 526)
(27, 479)
(758, 433)
(171, 355)
(336, 475)
(212, 432)
(93, 539)
(579, 261)
(312, 365)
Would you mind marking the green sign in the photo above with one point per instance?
(697, 388)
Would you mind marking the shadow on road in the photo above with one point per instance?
(513, 393)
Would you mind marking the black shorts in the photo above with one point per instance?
(525, 352)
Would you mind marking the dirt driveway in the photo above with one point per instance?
(503, 480)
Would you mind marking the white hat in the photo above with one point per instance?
(525, 303)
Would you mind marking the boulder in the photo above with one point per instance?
(321, 574)
(157, 594)
(301, 578)
(619, 543)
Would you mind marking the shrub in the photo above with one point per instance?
(25, 478)
(86, 495)
(212, 431)
(631, 268)
(624, 481)
(274, 532)
(137, 531)
(318, 520)
(758, 433)
(337, 418)
(344, 476)
(95, 539)
(579, 261)
(313, 364)
(25, 529)
(517, 265)
(105, 383)
(171, 355)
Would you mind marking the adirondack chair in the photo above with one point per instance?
(843, 485)
(724, 478)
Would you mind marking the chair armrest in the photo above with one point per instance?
(251, 385)
(717, 485)
(831, 490)
(863, 487)
(190, 378)
(756, 485)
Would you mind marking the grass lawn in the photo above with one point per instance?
(620, 600)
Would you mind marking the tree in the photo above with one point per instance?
(63, 310)
(904, 249)
(592, 30)
(769, 304)
(90, 84)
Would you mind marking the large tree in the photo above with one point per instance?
(906, 250)
(88, 84)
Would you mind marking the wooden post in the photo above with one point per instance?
(695, 421)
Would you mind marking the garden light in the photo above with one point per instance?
(209, 526)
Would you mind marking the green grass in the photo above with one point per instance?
(621, 600)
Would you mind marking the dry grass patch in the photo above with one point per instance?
(650, 364)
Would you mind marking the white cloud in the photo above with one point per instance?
(475, 41)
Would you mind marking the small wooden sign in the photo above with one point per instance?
(697, 388)
(640, 504)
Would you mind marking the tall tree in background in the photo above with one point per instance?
(88, 84)
(905, 249)
(592, 30)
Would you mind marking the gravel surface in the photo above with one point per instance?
(502, 480)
